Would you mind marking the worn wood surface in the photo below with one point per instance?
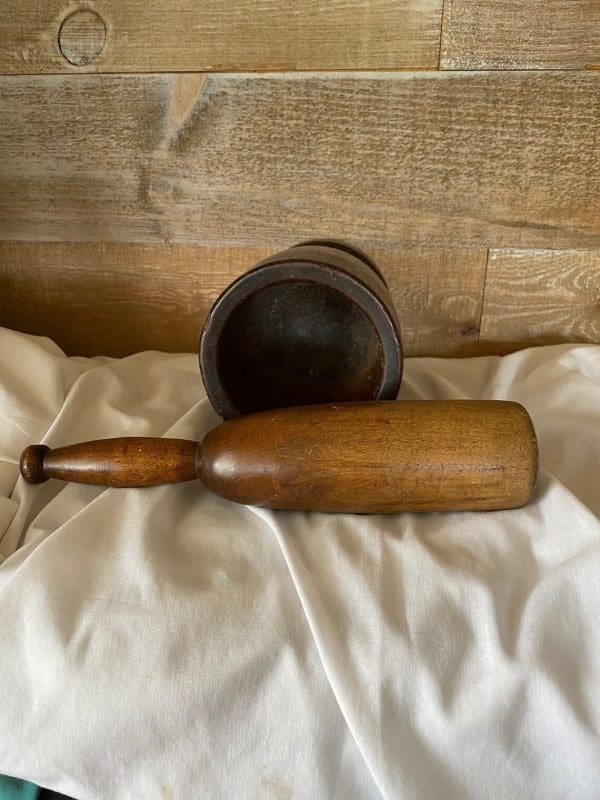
(363, 458)
(283, 336)
(165, 187)
(537, 298)
(394, 159)
(116, 299)
(437, 295)
(512, 34)
(112, 299)
(157, 36)
(81, 37)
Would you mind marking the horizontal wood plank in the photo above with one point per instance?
(438, 295)
(51, 36)
(512, 34)
(392, 160)
(115, 299)
(536, 298)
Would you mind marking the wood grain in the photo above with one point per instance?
(81, 37)
(437, 295)
(127, 462)
(512, 34)
(116, 299)
(362, 458)
(537, 298)
(223, 35)
(394, 159)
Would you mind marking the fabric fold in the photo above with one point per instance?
(166, 643)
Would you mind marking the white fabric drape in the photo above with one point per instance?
(164, 643)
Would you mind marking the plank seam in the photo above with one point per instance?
(374, 71)
(442, 23)
(485, 277)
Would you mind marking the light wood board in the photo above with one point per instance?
(115, 299)
(157, 36)
(538, 298)
(513, 34)
(394, 159)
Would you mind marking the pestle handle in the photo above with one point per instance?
(126, 462)
(374, 457)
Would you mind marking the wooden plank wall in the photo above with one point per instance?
(148, 155)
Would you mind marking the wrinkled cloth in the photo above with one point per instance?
(165, 643)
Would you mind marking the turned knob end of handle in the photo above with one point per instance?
(32, 463)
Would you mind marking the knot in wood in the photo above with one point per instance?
(81, 37)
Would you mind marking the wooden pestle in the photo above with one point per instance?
(373, 457)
